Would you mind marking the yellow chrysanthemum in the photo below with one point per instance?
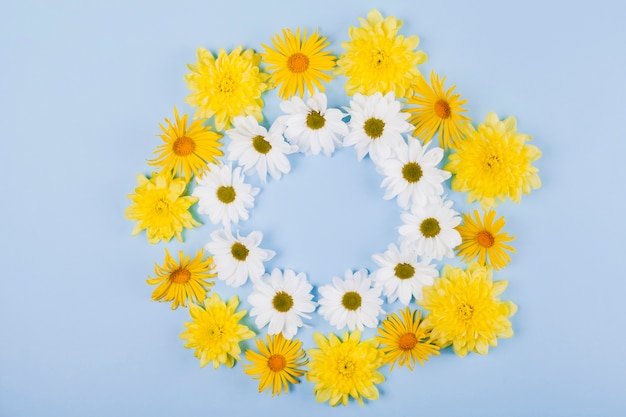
(297, 63)
(405, 340)
(344, 369)
(215, 332)
(494, 163)
(187, 149)
(483, 239)
(160, 207)
(437, 110)
(277, 364)
(183, 280)
(377, 59)
(465, 311)
(226, 87)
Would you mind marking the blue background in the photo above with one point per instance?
(83, 88)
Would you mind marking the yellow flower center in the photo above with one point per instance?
(404, 271)
(465, 311)
(298, 62)
(183, 146)
(492, 162)
(485, 239)
(180, 276)
(226, 84)
(378, 58)
(216, 332)
(276, 363)
(226, 194)
(374, 127)
(261, 145)
(162, 206)
(282, 302)
(430, 227)
(412, 172)
(351, 300)
(407, 341)
(239, 251)
(442, 109)
(314, 120)
(346, 367)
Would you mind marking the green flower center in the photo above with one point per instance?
(430, 227)
(412, 172)
(351, 300)
(314, 120)
(465, 311)
(239, 251)
(276, 362)
(261, 145)
(298, 62)
(404, 271)
(442, 109)
(226, 194)
(374, 127)
(282, 302)
(183, 146)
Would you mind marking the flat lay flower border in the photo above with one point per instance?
(394, 117)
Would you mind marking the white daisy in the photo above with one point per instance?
(430, 230)
(412, 175)
(312, 126)
(223, 195)
(351, 301)
(258, 150)
(281, 299)
(238, 258)
(400, 275)
(376, 125)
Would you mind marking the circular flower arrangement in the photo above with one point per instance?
(393, 115)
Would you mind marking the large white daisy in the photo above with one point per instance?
(376, 126)
(258, 150)
(224, 195)
(351, 302)
(238, 258)
(430, 230)
(412, 175)
(400, 275)
(312, 126)
(282, 300)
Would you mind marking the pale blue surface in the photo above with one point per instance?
(83, 88)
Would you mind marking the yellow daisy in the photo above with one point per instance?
(276, 364)
(437, 110)
(465, 310)
(160, 207)
(377, 59)
(343, 369)
(226, 87)
(186, 149)
(183, 280)
(405, 340)
(494, 163)
(297, 63)
(215, 332)
(483, 238)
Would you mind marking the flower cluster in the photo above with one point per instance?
(392, 116)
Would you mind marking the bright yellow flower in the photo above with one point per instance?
(297, 63)
(437, 110)
(482, 239)
(183, 280)
(344, 369)
(494, 163)
(186, 149)
(215, 332)
(405, 340)
(277, 364)
(226, 87)
(159, 207)
(465, 311)
(377, 59)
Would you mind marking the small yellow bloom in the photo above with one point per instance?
(344, 369)
(215, 332)
(160, 207)
(484, 240)
(465, 311)
(183, 280)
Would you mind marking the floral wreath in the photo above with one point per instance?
(393, 114)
